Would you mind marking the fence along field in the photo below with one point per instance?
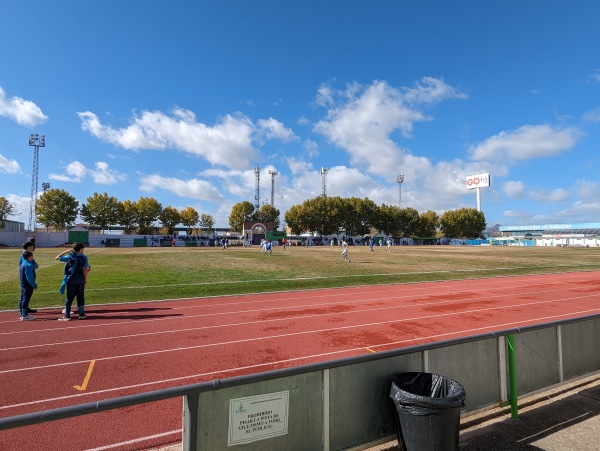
(142, 274)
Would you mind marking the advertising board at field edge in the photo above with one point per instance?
(478, 181)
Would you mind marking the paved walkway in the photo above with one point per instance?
(563, 419)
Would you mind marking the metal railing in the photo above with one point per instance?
(484, 353)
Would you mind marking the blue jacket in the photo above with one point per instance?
(28, 274)
(74, 267)
(21, 260)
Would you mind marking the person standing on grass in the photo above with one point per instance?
(29, 246)
(371, 244)
(75, 282)
(389, 245)
(345, 251)
(28, 284)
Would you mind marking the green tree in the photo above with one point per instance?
(169, 217)
(189, 218)
(429, 222)
(101, 210)
(388, 220)
(240, 213)
(267, 213)
(128, 215)
(207, 222)
(322, 214)
(56, 208)
(359, 216)
(295, 220)
(463, 223)
(148, 210)
(409, 222)
(6, 209)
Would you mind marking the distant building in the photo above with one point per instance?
(584, 234)
(13, 226)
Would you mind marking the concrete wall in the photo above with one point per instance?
(348, 406)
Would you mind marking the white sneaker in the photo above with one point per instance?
(64, 311)
(65, 318)
(27, 318)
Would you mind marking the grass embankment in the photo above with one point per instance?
(138, 274)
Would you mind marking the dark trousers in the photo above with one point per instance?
(26, 293)
(75, 290)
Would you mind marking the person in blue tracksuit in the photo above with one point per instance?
(28, 284)
(75, 277)
(29, 246)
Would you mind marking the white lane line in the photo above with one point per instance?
(289, 318)
(477, 290)
(291, 334)
(290, 360)
(137, 440)
(346, 276)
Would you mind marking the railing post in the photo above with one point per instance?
(512, 376)
(190, 422)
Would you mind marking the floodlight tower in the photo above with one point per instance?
(399, 180)
(273, 173)
(36, 141)
(257, 190)
(324, 181)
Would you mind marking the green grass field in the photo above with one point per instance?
(139, 274)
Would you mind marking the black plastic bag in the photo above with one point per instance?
(425, 393)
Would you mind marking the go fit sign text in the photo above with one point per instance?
(478, 181)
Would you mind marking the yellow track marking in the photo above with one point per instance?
(87, 377)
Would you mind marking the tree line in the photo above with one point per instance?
(352, 216)
(56, 208)
(358, 217)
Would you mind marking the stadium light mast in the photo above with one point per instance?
(399, 180)
(324, 181)
(273, 173)
(36, 141)
(257, 188)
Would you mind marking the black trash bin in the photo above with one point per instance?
(428, 411)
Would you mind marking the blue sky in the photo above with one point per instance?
(181, 100)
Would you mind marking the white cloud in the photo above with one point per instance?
(298, 166)
(430, 90)
(514, 189)
(9, 166)
(77, 171)
(528, 141)
(227, 143)
(24, 112)
(273, 129)
(103, 175)
(588, 191)
(192, 188)
(348, 182)
(519, 216)
(361, 120)
(592, 115)
(241, 184)
(311, 148)
(556, 195)
(21, 204)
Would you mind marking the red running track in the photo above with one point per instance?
(134, 348)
